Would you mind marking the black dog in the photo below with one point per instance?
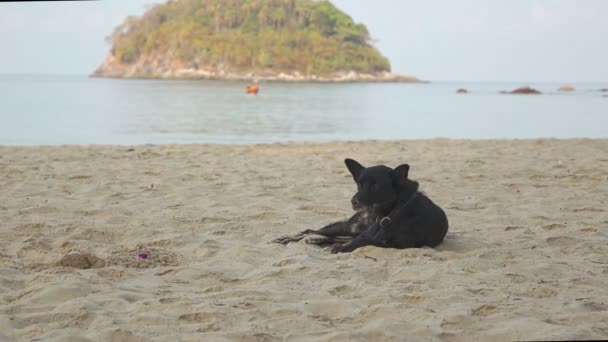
(391, 213)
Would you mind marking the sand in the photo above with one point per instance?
(526, 257)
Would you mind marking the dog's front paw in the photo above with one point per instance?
(338, 248)
(318, 240)
(287, 239)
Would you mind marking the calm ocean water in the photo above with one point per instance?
(49, 110)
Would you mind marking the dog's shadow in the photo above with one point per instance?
(459, 243)
(454, 242)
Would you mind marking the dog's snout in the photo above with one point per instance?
(356, 202)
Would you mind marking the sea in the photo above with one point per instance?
(58, 110)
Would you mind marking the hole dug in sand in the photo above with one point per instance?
(81, 261)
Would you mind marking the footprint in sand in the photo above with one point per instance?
(93, 212)
(457, 322)
(117, 220)
(595, 307)
(95, 235)
(285, 262)
(541, 292)
(214, 220)
(554, 226)
(601, 330)
(169, 300)
(561, 241)
(510, 228)
(122, 335)
(484, 310)
(35, 247)
(197, 317)
(208, 249)
(340, 290)
(261, 216)
(244, 306)
(79, 177)
(30, 227)
(589, 210)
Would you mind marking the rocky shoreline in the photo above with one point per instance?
(112, 69)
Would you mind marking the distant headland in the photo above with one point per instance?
(266, 40)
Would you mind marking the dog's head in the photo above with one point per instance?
(377, 184)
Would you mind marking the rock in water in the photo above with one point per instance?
(525, 91)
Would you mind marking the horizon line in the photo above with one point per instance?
(21, 73)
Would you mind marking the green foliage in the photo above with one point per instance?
(312, 37)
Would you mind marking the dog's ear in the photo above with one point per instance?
(402, 171)
(354, 167)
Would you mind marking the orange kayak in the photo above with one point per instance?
(253, 89)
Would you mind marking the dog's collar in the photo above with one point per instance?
(387, 220)
(383, 205)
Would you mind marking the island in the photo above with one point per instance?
(264, 40)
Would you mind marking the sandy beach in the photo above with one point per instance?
(526, 257)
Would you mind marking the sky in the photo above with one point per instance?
(436, 40)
